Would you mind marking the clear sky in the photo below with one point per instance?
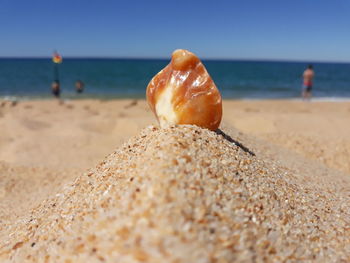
(316, 30)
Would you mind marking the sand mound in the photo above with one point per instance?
(183, 194)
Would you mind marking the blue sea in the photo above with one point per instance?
(128, 78)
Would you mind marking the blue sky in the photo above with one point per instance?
(308, 30)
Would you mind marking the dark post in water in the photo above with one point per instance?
(55, 87)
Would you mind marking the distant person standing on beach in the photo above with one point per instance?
(308, 76)
(79, 86)
(55, 88)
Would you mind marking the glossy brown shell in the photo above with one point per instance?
(195, 98)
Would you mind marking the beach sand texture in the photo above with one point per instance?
(181, 194)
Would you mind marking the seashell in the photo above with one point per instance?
(184, 93)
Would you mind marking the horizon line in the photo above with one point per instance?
(167, 58)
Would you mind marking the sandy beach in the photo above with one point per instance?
(98, 181)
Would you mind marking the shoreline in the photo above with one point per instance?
(121, 98)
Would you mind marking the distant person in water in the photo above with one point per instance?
(55, 88)
(308, 77)
(79, 86)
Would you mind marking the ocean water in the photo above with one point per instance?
(128, 78)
